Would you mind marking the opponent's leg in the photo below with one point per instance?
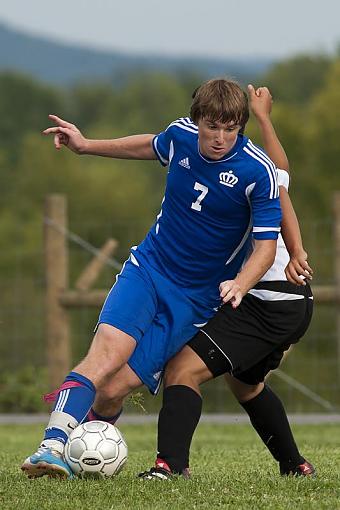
(108, 404)
(180, 414)
(109, 351)
(269, 419)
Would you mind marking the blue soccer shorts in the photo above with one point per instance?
(158, 314)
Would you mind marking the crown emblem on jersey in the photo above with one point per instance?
(228, 179)
(185, 163)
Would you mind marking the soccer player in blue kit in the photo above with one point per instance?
(245, 343)
(220, 189)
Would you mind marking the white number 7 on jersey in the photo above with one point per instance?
(199, 187)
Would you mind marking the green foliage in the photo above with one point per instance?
(24, 104)
(298, 79)
(152, 102)
(89, 103)
(323, 133)
(121, 199)
(21, 391)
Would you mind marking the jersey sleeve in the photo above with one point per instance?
(283, 178)
(265, 204)
(163, 145)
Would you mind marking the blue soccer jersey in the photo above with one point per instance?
(210, 208)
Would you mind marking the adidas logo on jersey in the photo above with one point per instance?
(228, 179)
(185, 163)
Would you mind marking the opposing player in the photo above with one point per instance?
(244, 343)
(220, 188)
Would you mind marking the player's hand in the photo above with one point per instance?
(230, 291)
(260, 101)
(66, 134)
(298, 270)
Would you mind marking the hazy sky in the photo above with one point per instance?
(221, 28)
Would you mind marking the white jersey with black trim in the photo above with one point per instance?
(277, 270)
(210, 210)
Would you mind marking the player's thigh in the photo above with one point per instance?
(241, 390)
(211, 345)
(292, 319)
(131, 304)
(177, 320)
(258, 372)
(240, 341)
(110, 349)
(186, 368)
(127, 313)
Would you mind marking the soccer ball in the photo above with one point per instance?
(96, 449)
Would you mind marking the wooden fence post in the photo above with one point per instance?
(58, 352)
(336, 209)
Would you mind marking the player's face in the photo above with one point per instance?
(215, 138)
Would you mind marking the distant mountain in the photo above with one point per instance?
(64, 64)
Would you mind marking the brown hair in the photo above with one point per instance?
(220, 100)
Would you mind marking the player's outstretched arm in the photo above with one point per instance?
(261, 259)
(129, 147)
(260, 101)
(260, 104)
(298, 265)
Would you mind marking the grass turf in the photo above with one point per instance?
(231, 469)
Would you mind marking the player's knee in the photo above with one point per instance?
(174, 375)
(180, 373)
(246, 392)
(103, 359)
(108, 405)
(119, 387)
(112, 346)
(107, 393)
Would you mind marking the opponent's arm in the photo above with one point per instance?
(129, 147)
(260, 101)
(260, 104)
(261, 259)
(290, 229)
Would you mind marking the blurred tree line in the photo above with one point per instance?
(121, 198)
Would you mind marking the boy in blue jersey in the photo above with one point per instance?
(244, 343)
(220, 188)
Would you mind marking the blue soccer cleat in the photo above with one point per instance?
(47, 461)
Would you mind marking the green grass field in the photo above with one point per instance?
(231, 469)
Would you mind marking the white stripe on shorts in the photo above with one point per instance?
(219, 348)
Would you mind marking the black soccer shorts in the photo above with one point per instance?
(250, 340)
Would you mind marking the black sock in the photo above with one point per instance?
(269, 419)
(177, 422)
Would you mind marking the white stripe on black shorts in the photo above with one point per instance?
(250, 340)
